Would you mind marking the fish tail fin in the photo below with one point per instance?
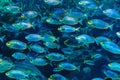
(111, 27)
(2, 38)
(80, 22)
(78, 68)
(78, 29)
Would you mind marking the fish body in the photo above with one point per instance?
(67, 50)
(29, 14)
(22, 25)
(111, 74)
(10, 28)
(84, 39)
(96, 56)
(19, 56)
(53, 21)
(33, 37)
(89, 62)
(36, 48)
(67, 66)
(38, 61)
(57, 77)
(49, 38)
(5, 65)
(75, 13)
(57, 14)
(55, 56)
(88, 4)
(69, 20)
(67, 29)
(52, 2)
(51, 45)
(12, 9)
(72, 43)
(97, 78)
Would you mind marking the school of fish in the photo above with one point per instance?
(59, 39)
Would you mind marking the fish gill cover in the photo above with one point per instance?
(59, 40)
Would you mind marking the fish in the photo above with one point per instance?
(39, 61)
(110, 47)
(12, 9)
(33, 37)
(16, 44)
(76, 14)
(68, 29)
(54, 56)
(22, 25)
(29, 69)
(53, 2)
(88, 5)
(16, 74)
(115, 66)
(10, 28)
(19, 55)
(49, 38)
(89, 62)
(111, 74)
(112, 13)
(73, 43)
(69, 20)
(52, 45)
(53, 21)
(84, 39)
(66, 66)
(5, 65)
(57, 13)
(57, 77)
(29, 15)
(67, 50)
(96, 56)
(36, 48)
(97, 78)
(99, 24)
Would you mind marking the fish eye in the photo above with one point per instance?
(31, 60)
(90, 22)
(22, 16)
(52, 76)
(48, 20)
(59, 28)
(104, 11)
(66, 41)
(7, 73)
(47, 56)
(8, 43)
(109, 65)
(80, 3)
